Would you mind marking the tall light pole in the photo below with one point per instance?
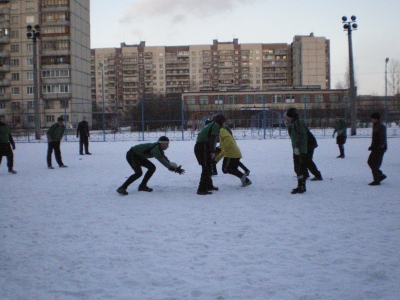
(33, 33)
(349, 26)
(386, 100)
(102, 97)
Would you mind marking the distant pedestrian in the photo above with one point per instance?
(7, 144)
(83, 132)
(54, 137)
(378, 148)
(298, 137)
(232, 155)
(205, 149)
(138, 157)
(341, 130)
(311, 166)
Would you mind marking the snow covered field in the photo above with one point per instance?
(67, 234)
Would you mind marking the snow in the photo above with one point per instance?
(67, 234)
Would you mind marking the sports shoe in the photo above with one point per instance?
(382, 177)
(63, 166)
(214, 173)
(88, 153)
(374, 183)
(144, 189)
(248, 182)
(316, 178)
(81, 153)
(340, 156)
(122, 191)
(243, 179)
(203, 193)
(12, 171)
(299, 190)
(50, 167)
(212, 188)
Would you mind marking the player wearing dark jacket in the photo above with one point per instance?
(378, 148)
(83, 132)
(311, 166)
(341, 130)
(7, 144)
(205, 150)
(54, 136)
(137, 157)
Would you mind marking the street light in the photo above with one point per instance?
(349, 26)
(33, 33)
(102, 97)
(386, 104)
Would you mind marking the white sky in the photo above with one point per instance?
(194, 22)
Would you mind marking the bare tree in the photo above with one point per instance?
(393, 77)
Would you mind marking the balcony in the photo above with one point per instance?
(5, 97)
(5, 68)
(54, 96)
(5, 82)
(5, 53)
(4, 40)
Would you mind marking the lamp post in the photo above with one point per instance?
(349, 26)
(386, 94)
(33, 33)
(102, 98)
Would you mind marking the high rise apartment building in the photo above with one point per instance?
(63, 60)
(135, 72)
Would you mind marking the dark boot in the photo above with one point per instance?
(317, 177)
(301, 187)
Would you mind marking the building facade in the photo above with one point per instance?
(135, 72)
(63, 61)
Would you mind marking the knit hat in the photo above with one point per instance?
(219, 119)
(292, 113)
(60, 119)
(376, 116)
(163, 139)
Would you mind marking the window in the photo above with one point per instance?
(190, 100)
(15, 5)
(30, 5)
(63, 104)
(15, 91)
(14, 62)
(30, 20)
(14, 76)
(15, 48)
(49, 105)
(14, 34)
(289, 98)
(14, 20)
(2, 105)
(30, 104)
(15, 105)
(232, 99)
(55, 73)
(333, 97)
(16, 119)
(55, 88)
(219, 99)
(31, 118)
(305, 98)
(248, 99)
(203, 99)
(29, 90)
(318, 98)
(29, 47)
(29, 61)
(49, 118)
(29, 75)
(276, 98)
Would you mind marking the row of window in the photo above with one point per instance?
(260, 99)
(15, 119)
(48, 105)
(46, 89)
(45, 74)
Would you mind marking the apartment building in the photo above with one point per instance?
(63, 61)
(135, 72)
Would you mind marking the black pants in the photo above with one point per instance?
(300, 165)
(5, 150)
(375, 161)
(311, 166)
(340, 141)
(136, 164)
(84, 140)
(57, 153)
(203, 156)
(230, 166)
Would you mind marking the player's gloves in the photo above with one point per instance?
(296, 151)
(179, 170)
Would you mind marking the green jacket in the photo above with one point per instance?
(55, 132)
(149, 150)
(298, 135)
(4, 133)
(208, 130)
(340, 128)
